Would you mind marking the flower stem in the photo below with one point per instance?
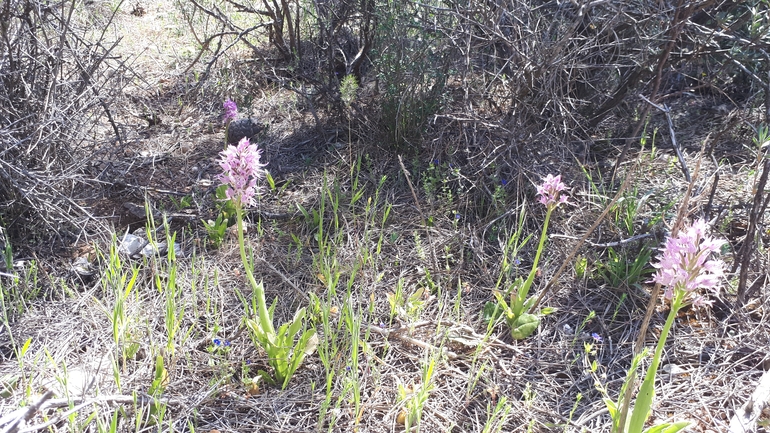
(524, 290)
(543, 237)
(264, 315)
(647, 390)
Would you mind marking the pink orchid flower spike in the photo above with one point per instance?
(685, 264)
(241, 168)
(550, 191)
(231, 111)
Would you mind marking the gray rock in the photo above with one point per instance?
(83, 267)
(130, 245)
(243, 128)
(160, 248)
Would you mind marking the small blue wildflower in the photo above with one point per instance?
(436, 162)
(248, 362)
(221, 343)
(382, 325)
(597, 337)
(516, 261)
(458, 216)
(503, 182)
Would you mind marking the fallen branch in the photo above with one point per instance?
(407, 339)
(25, 414)
(745, 253)
(608, 244)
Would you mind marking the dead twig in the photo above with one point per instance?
(609, 244)
(422, 216)
(294, 287)
(407, 339)
(22, 415)
(667, 111)
(745, 253)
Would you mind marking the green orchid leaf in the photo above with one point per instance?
(312, 343)
(281, 334)
(296, 324)
(492, 311)
(299, 352)
(515, 286)
(266, 377)
(524, 326)
(547, 310)
(612, 408)
(294, 360)
(529, 303)
(259, 334)
(668, 427)
(160, 381)
(643, 405)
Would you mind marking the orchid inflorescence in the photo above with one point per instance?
(231, 111)
(241, 168)
(686, 266)
(550, 191)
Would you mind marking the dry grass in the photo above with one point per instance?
(450, 264)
